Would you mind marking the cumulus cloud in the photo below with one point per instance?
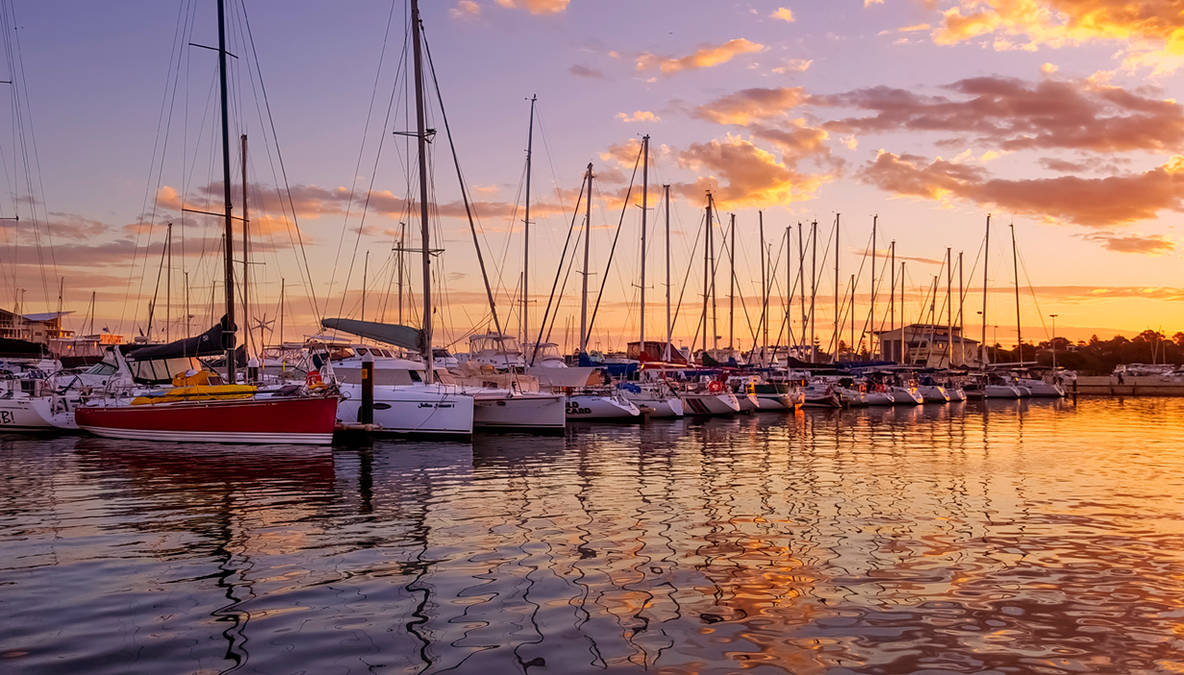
(704, 57)
(740, 174)
(1140, 26)
(784, 14)
(1147, 244)
(1016, 115)
(748, 105)
(536, 6)
(465, 9)
(1091, 202)
(638, 116)
(794, 66)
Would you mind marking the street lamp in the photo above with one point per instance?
(1054, 343)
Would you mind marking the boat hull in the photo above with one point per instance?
(529, 412)
(723, 403)
(658, 406)
(599, 407)
(25, 414)
(412, 410)
(933, 393)
(304, 421)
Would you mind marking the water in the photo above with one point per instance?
(1024, 537)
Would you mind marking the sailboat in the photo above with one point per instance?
(199, 407)
(420, 402)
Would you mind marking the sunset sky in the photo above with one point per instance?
(1059, 116)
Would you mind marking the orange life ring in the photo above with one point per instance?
(313, 379)
(715, 386)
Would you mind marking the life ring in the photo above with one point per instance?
(313, 379)
(715, 386)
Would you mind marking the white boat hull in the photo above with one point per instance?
(956, 394)
(775, 402)
(659, 406)
(932, 393)
(721, 403)
(600, 407)
(880, 398)
(26, 414)
(519, 411)
(411, 410)
(906, 396)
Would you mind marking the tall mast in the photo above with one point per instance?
(645, 191)
(961, 320)
(711, 265)
(168, 289)
(584, 284)
(802, 277)
(903, 342)
(425, 232)
(706, 267)
(92, 314)
(760, 218)
(669, 328)
(365, 274)
(526, 232)
(986, 254)
(282, 289)
(835, 356)
(872, 311)
(789, 292)
(732, 283)
(399, 261)
(246, 250)
(813, 288)
(1015, 268)
(892, 295)
(228, 239)
(851, 347)
(949, 310)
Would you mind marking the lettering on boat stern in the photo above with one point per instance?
(7, 417)
(437, 405)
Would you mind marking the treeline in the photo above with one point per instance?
(1099, 357)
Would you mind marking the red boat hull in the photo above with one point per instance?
(307, 421)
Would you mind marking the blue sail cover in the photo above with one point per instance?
(389, 333)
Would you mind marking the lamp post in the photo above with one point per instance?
(1054, 343)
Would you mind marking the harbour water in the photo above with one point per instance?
(1011, 537)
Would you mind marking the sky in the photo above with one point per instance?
(1056, 117)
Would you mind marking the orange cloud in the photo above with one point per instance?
(740, 174)
(465, 9)
(784, 14)
(704, 57)
(1057, 23)
(536, 6)
(1019, 115)
(1092, 202)
(1150, 244)
(747, 105)
(638, 116)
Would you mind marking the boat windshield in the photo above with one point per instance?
(493, 343)
(162, 370)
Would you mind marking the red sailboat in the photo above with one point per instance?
(195, 409)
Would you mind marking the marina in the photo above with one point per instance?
(559, 336)
(1002, 535)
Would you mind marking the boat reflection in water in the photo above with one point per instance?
(947, 538)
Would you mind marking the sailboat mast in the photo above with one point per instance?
(711, 265)
(892, 294)
(425, 232)
(872, 311)
(835, 356)
(760, 219)
(669, 328)
(365, 275)
(399, 260)
(645, 192)
(802, 277)
(246, 249)
(813, 289)
(851, 347)
(526, 231)
(986, 255)
(789, 293)
(228, 239)
(584, 286)
(1015, 268)
(732, 283)
(903, 343)
(961, 319)
(949, 310)
(168, 288)
(706, 266)
(282, 289)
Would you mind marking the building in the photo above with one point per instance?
(928, 346)
(33, 327)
